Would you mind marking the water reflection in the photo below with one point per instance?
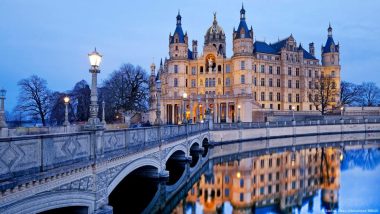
(287, 181)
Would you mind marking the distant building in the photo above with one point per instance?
(258, 77)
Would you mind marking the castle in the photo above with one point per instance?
(259, 77)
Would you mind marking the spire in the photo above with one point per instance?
(215, 21)
(329, 30)
(179, 18)
(161, 63)
(178, 33)
(152, 68)
(242, 12)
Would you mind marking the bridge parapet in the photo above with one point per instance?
(33, 157)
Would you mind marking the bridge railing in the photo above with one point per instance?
(250, 125)
(22, 157)
(128, 141)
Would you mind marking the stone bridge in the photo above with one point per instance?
(39, 173)
(44, 172)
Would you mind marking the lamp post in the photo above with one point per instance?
(158, 120)
(66, 100)
(293, 108)
(199, 109)
(239, 113)
(184, 96)
(104, 112)
(93, 122)
(3, 124)
(341, 112)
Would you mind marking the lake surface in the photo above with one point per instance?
(321, 179)
(329, 179)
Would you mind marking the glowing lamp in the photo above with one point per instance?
(95, 58)
(66, 99)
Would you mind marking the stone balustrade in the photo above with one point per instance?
(24, 156)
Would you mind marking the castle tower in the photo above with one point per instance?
(331, 64)
(215, 37)
(330, 52)
(178, 43)
(242, 37)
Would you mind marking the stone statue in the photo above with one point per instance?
(210, 63)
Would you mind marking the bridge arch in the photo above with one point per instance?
(53, 200)
(130, 168)
(179, 147)
(205, 145)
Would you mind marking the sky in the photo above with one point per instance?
(52, 38)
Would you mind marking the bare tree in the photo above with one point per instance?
(34, 98)
(80, 100)
(370, 94)
(325, 93)
(126, 90)
(349, 93)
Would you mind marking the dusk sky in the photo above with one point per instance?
(52, 38)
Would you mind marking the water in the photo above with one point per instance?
(316, 180)
(328, 178)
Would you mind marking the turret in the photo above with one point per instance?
(243, 37)
(152, 69)
(330, 52)
(178, 43)
(152, 85)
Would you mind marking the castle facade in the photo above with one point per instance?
(258, 77)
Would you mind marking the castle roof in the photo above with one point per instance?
(330, 44)
(242, 26)
(178, 31)
(263, 47)
(275, 48)
(306, 54)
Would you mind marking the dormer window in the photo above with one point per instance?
(242, 33)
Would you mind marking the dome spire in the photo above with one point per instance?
(215, 21)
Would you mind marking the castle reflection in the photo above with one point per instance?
(278, 182)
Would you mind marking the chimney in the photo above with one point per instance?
(195, 49)
(311, 49)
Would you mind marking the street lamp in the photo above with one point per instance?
(66, 100)
(158, 109)
(93, 122)
(293, 108)
(199, 109)
(3, 124)
(341, 112)
(239, 113)
(184, 96)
